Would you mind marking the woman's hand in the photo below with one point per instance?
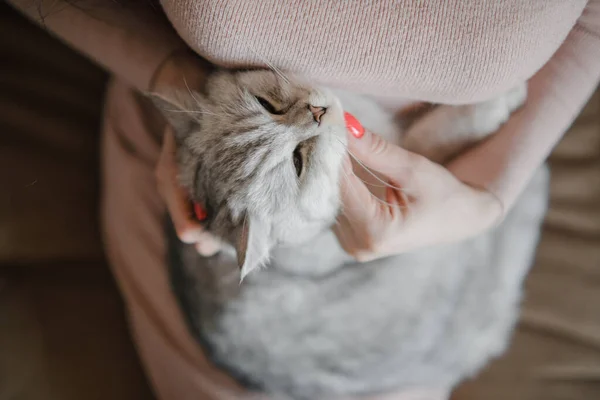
(182, 71)
(178, 202)
(424, 203)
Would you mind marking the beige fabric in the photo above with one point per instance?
(434, 50)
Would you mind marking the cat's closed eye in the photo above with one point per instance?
(268, 106)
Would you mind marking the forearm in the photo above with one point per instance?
(506, 162)
(129, 38)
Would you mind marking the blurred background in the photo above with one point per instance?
(63, 331)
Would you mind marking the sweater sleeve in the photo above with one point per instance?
(130, 39)
(506, 162)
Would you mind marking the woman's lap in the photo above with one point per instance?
(133, 233)
(132, 214)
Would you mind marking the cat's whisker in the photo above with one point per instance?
(344, 207)
(368, 170)
(196, 100)
(272, 67)
(192, 112)
(374, 196)
(191, 93)
(346, 175)
(361, 179)
(224, 110)
(369, 183)
(345, 214)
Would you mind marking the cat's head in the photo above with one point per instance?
(262, 153)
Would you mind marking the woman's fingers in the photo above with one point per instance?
(382, 156)
(358, 228)
(208, 245)
(359, 204)
(175, 198)
(423, 203)
(412, 172)
(178, 203)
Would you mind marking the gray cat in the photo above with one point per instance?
(262, 152)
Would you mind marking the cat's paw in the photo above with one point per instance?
(446, 130)
(515, 97)
(490, 115)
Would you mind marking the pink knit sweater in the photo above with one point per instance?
(447, 51)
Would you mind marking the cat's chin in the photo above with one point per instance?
(318, 256)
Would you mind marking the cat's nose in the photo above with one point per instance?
(317, 112)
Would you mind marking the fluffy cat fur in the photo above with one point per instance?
(314, 324)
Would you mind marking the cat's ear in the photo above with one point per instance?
(179, 110)
(252, 245)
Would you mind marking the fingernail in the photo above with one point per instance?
(200, 212)
(353, 126)
(191, 236)
(208, 247)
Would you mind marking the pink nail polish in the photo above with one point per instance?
(200, 212)
(353, 126)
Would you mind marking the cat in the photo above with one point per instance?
(262, 153)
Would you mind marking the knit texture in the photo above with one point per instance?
(446, 51)
(438, 50)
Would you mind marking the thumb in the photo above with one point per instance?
(377, 153)
(359, 215)
(359, 204)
